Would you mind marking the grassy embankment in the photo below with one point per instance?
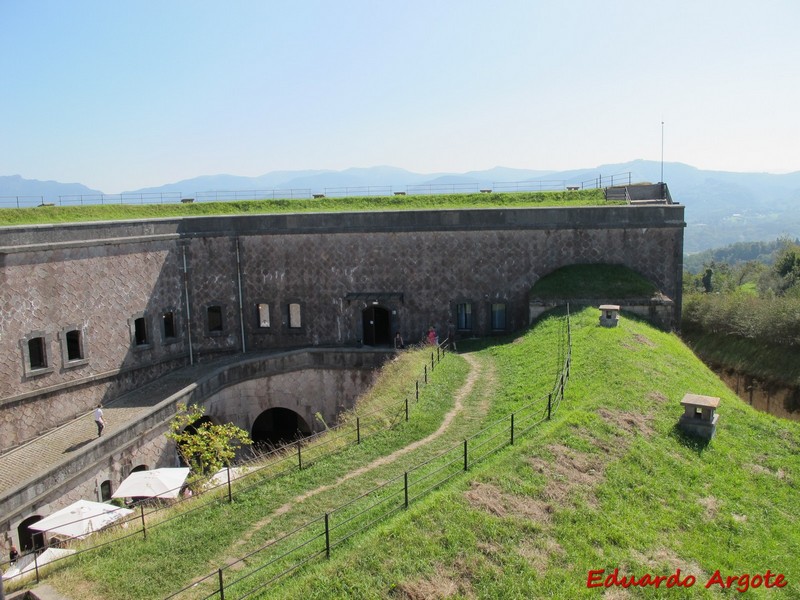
(108, 212)
(593, 281)
(608, 483)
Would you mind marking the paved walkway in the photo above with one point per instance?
(40, 455)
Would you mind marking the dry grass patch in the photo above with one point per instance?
(659, 559)
(711, 504)
(762, 470)
(443, 584)
(493, 500)
(629, 422)
(569, 471)
(539, 552)
(658, 397)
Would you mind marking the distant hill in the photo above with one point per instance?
(721, 207)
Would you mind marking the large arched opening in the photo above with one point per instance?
(377, 326)
(30, 540)
(276, 427)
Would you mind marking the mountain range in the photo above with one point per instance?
(721, 207)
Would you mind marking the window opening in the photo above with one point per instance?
(36, 353)
(214, 318)
(498, 316)
(140, 331)
(263, 315)
(168, 319)
(464, 316)
(294, 316)
(74, 349)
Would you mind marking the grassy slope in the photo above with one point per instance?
(73, 214)
(593, 281)
(608, 483)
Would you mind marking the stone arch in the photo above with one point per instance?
(278, 426)
(376, 326)
(29, 539)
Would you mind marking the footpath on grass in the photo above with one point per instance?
(470, 404)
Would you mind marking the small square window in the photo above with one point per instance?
(262, 311)
(168, 325)
(498, 316)
(37, 353)
(464, 316)
(294, 316)
(214, 316)
(140, 332)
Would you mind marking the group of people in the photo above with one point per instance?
(430, 337)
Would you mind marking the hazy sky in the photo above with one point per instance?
(120, 95)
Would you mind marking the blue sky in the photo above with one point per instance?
(121, 95)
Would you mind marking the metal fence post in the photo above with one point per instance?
(405, 488)
(549, 404)
(426, 374)
(230, 494)
(299, 457)
(221, 585)
(417, 386)
(465, 455)
(36, 564)
(512, 429)
(358, 430)
(327, 537)
(406, 409)
(144, 529)
(432, 362)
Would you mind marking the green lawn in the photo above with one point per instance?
(74, 214)
(608, 483)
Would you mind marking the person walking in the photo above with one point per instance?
(98, 419)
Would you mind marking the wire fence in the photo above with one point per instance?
(265, 566)
(353, 429)
(173, 197)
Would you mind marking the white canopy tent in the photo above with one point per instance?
(158, 483)
(80, 519)
(26, 565)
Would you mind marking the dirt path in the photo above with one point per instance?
(476, 371)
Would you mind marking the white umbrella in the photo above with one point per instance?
(221, 476)
(80, 519)
(158, 483)
(25, 565)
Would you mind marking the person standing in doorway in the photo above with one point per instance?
(98, 418)
(12, 555)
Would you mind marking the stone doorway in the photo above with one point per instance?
(377, 326)
(29, 539)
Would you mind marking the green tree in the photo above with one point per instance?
(204, 446)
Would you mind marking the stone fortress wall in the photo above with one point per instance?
(90, 311)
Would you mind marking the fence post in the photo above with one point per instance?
(221, 585)
(327, 537)
(405, 488)
(432, 362)
(299, 457)
(358, 430)
(406, 409)
(512, 429)
(426, 374)
(36, 564)
(438, 358)
(417, 386)
(465, 454)
(549, 404)
(144, 529)
(230, 494)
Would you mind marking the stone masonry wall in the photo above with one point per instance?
(417, 265)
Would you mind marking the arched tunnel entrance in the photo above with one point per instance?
(28, 538)
(278, 426)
